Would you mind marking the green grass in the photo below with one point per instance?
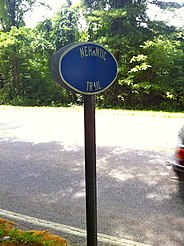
(24, 238)
(10, 236)
(113, 111)
(143, 113)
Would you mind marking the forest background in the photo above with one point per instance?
(149, 53)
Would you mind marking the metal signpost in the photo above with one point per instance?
(88, 69)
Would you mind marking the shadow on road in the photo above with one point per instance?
(137, 199)
(181, 190)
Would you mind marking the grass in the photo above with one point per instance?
(11, 236)
(143, 113)
(113, 111)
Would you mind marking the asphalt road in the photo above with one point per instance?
(42, 171)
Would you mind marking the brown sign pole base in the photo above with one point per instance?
(90, 169)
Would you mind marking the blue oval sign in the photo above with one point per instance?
(87, 68)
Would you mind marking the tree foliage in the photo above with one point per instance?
(29, 82)
(12, 12)
(149, 53)
(144, 73)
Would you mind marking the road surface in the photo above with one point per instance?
(42, 171)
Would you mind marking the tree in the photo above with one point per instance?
(149, 53)
(63, 28)
(158, 70)
(12, 12)
(12, 15)
(35, 82)
(25, 55)
(124, 27)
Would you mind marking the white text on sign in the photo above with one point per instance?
(93, 86)
(92, 51)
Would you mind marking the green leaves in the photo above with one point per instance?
(12, 12)
(149, 53)
(143, 64)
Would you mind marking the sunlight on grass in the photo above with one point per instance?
(10, 236)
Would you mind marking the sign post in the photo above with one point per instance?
(90, 169)
(89, 69)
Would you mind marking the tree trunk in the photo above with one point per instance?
(16, 75)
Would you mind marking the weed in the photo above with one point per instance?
(2, 231)
(11, 236)
(24, 237)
